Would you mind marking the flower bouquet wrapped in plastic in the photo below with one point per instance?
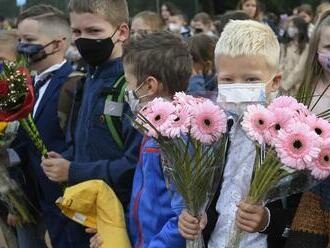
(293, 151)
(10, 193)
(192, 134)
(17, 99)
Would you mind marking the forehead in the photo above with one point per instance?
(28, 27)
(250, 2)
(86, 20)
(138, 23)
(242, 65)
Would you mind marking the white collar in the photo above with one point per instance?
(51, 69)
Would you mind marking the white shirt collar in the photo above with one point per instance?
(51, 69)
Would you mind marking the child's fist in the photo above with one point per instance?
(252, 218)
(190, 227)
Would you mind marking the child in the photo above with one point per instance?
(310, 228)
(246, 53)
(156, 65)
(45, 35)
(250, 7)
(105, 145)
(305, 11)
(203, 81)
(293, 54)
(146, 22)
(202, 23)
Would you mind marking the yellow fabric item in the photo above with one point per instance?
(95, 205)
(3, 126)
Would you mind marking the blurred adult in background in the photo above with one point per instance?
(168, 9)
(203, 81)
(293, 51)
(202, 23)
(146, 22)
(8, 41)
(305, 11)
(250, 7)
(177, 23)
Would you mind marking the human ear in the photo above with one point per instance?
(274, 84)
(154, 87)
(122, 33)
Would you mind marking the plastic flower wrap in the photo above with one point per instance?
(10, 193)
(293, 151)
(192, 135)
(17, 100)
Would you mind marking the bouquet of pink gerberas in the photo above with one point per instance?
(192, 135)
(293, 151)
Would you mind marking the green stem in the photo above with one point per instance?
(33, 133)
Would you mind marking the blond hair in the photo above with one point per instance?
(114, 11)
(249, 38)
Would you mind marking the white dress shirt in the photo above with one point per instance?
(43, 89)
(236, 182)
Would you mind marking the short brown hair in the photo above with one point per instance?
(151, 19)
(53, 21)
(162, 55)
(203, 18)
(114, 11)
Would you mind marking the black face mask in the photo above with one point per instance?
(33, 52)
(95, 51)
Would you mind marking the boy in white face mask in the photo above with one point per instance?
(247, 61)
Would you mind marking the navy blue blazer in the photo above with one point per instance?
(47, 122)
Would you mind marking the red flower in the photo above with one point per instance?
(27, 106)
(4, 88)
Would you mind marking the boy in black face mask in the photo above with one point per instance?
(105, 145)
(45, 35)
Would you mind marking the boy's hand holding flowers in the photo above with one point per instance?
(56, 169)
(252, 218)
(189, 226)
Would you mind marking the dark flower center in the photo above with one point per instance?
(318, 131)
(326, 158)
(157, 118)
(261, 122)
(177, 119)
(297, 144)
(278, 127)
(207, 122)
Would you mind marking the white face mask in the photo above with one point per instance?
(234, 98)
(292, 32)
(174, 27)
(131, 97)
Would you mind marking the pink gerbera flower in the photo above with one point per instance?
(256, 122)
(319, 125)
(297, 146)
(281, 119)
(321, 165)
(284, 102)
(182, 98)
(160, 115)
(181, 122)
(209, 122)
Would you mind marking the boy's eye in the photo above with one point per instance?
(76, 32)
(253, 79)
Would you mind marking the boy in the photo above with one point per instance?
(156, 65)
(45, 35)
(246, 53)
(105, 145)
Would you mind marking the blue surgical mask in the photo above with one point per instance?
(133, 100)
(33, 52)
